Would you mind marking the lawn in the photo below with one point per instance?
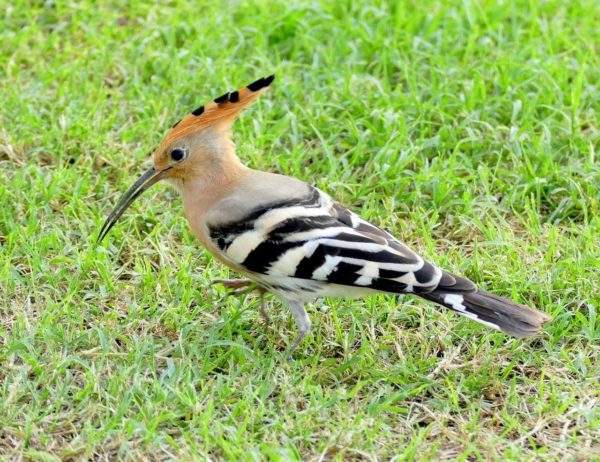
(467, 128)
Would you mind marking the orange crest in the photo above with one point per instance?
(223, 110)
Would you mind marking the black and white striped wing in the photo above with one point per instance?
(313, 238)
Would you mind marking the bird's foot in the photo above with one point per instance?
(244, 286)
(238, 286)
(302, 322)
(289, 355)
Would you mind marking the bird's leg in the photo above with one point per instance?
(242, 286)
(234, 284)
(261, 307)
(303, 323)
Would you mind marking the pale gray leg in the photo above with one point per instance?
(302, 322)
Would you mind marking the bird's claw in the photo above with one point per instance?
(244, 286)
(234, 283)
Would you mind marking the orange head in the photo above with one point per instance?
(197, 142)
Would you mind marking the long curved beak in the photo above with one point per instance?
(149, 177)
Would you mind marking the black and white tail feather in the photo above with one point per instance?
(308, 246)
(488, 309)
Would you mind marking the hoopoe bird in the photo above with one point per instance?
(292, 239)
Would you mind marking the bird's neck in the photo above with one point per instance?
(203, 186)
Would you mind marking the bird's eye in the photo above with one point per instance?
(178, 154)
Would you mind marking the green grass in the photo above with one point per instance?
(467, 128)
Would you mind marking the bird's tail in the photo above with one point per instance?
(488, 309)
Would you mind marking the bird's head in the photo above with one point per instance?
(192, 146)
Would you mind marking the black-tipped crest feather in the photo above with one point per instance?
(261, 83)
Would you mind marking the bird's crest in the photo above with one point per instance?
(222, 110)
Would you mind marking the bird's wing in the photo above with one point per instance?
(312, 237)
